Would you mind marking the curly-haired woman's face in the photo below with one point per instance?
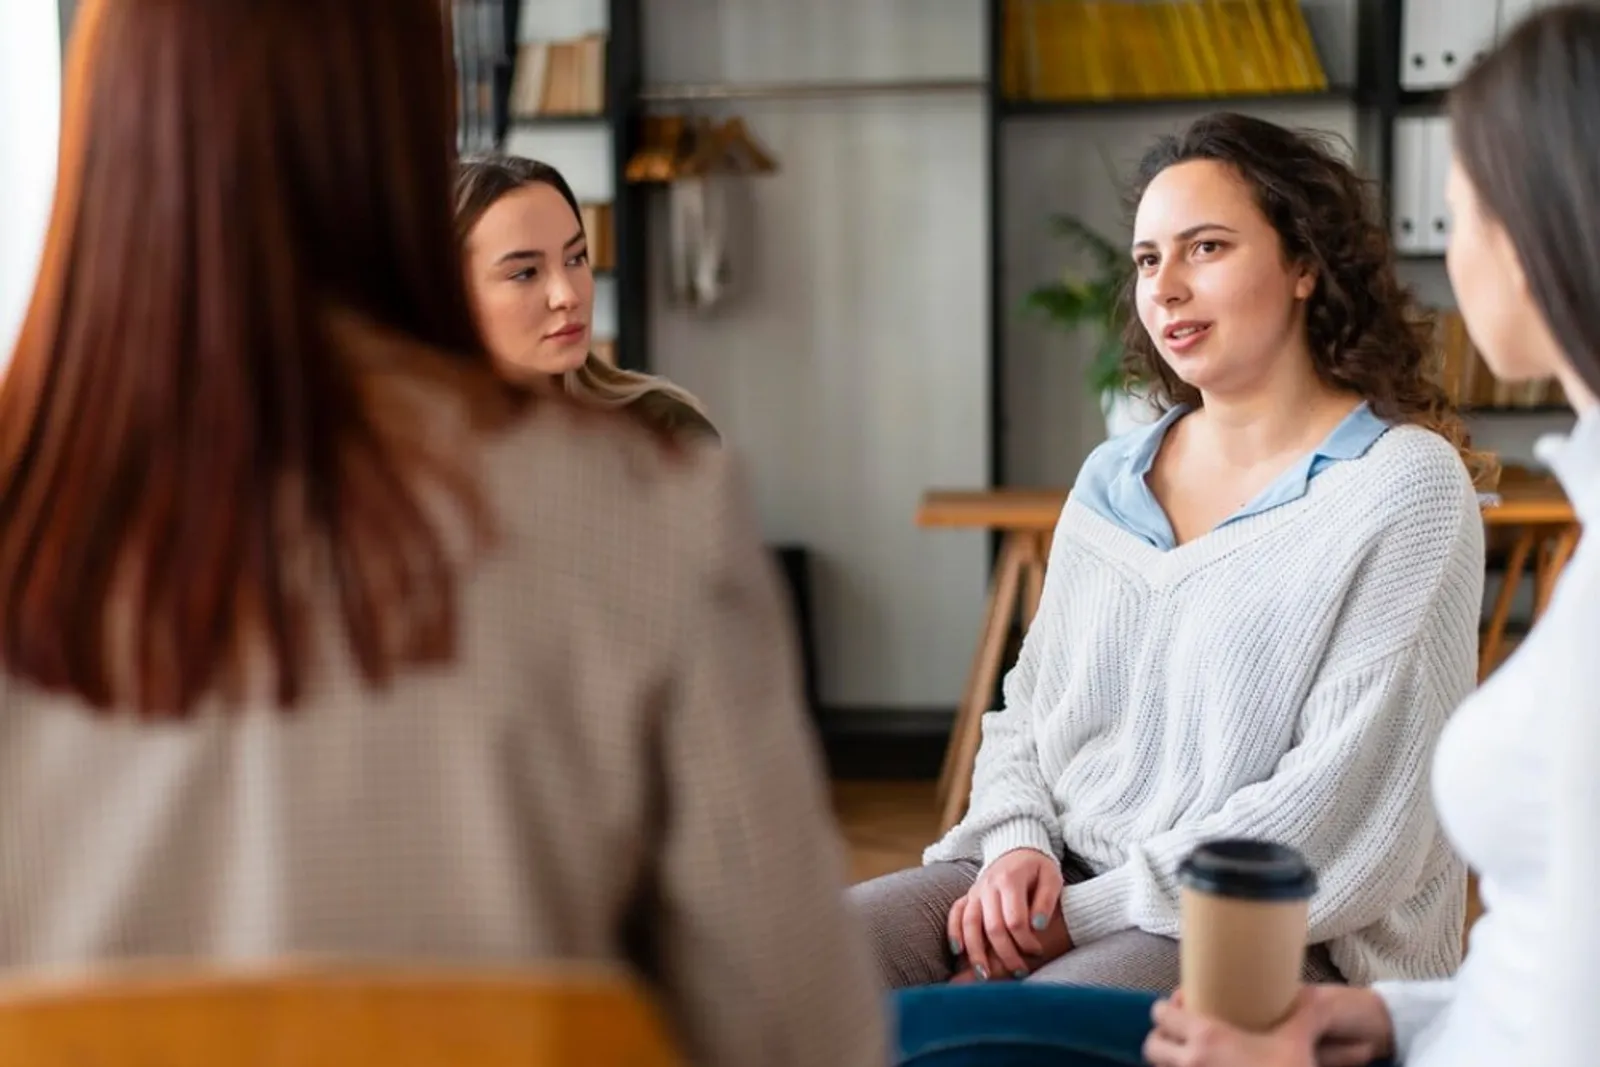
(1214, 291)
(528, 272)
(1491, 290)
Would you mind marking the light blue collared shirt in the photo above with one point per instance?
(1112, 482)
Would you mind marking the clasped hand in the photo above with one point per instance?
(1010, 922)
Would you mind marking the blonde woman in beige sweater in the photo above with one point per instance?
(317, 637)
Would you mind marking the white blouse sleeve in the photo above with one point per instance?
(1414, 1007)
(1570, 1030)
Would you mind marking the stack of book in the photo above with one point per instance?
(560, 77)
(1063, 50)
(597, 226)
(1470, 383)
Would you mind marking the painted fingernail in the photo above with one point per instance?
(1041, 921)
(1020, 973)
(982, 972)
(955, 946)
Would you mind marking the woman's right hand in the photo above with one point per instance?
(1010, 920)
(1353, 1023)
(1331, 1026)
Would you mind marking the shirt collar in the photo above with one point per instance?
(1575, 460)
(1356, 433)
(1144, 447)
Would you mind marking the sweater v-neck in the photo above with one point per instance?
(1114, 481)
(1160, 564)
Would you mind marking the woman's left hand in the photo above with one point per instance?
(1183, 1038)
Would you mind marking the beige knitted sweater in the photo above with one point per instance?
(615, 768)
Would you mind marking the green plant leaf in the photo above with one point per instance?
(1092, 302)
(1108, 257)
(1069, 305)
(1105, 371)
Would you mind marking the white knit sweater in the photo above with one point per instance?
(1284, 676)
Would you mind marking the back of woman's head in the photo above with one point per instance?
(1364, 331)
(1526, 131)
(239, 181)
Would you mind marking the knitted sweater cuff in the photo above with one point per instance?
(1098, 907)
(1022, 832)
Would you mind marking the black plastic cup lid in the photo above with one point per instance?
(1251, 870)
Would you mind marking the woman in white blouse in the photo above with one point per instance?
(1516, 776)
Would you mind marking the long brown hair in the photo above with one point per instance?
(183, 423)
(658, 403)
(1527, 136)
(1365, 331)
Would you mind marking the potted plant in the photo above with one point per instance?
(1093, 302)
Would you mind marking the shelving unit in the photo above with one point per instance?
(1474, 26)
(1374, 34)
(510, 15)
(1022, 108)
(1378, 95)
(529, 121)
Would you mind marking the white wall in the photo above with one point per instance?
(30, 113)
(851, 367)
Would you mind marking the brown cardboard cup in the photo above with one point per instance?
(1243, 908)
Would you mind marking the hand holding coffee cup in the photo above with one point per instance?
(1243, 910)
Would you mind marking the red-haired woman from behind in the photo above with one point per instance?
(316, 638)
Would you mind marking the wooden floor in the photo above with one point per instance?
(887, 824)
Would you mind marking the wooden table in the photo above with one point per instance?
(1546, 533)
(1026, 521)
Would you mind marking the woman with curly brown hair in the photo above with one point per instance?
(1257, 615)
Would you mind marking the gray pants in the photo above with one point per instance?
(906, 915)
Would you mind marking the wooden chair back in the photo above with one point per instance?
(332, 1017)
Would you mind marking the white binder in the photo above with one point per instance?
(1436, 171)
(1409, 204)
(1440, 39)
(1514, 11)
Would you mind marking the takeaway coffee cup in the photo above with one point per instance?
(1243, 910)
